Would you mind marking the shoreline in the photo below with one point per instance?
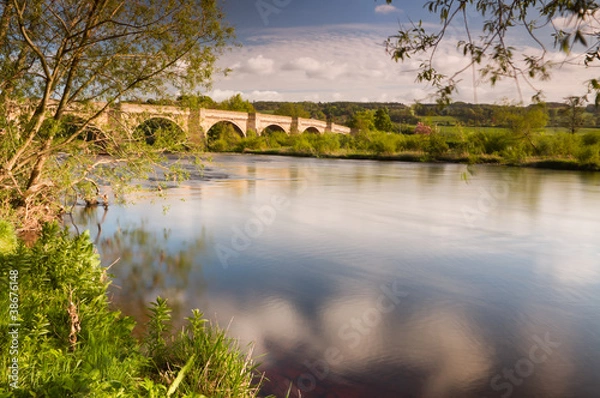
(420, 157)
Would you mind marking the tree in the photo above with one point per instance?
(573, 115)
(383, 121)
(58, 57)
(196, 101)
(237, 103)
(292, 109)
(492, 51)
(363, 120)
(522, 122)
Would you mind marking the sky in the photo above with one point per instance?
(332, 50)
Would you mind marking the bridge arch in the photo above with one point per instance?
(238, 129)
(272, 128)
(160, 128)
(312, 130)
(223, 136)
(91, 132)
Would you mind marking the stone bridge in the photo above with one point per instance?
(196, 123)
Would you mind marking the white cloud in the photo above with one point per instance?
(386, 9)
(316, 70)
(349, 63)
(258, 65)
(589, 25)
(220, 95)
(258, 95)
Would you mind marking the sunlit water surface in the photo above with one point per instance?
(377, 279)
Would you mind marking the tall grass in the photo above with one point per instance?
(70, 344)
(455, 144)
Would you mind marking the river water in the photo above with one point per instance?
(377, 279)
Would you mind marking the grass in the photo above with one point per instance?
(448, 144)
(70, 344)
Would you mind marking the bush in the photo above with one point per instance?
(8, 239)
(302, 145)
(557, 145)
(490, 143)
(591, 138)
(415, 142)
(589, 155)
(384, 144)
(436, 145)
(327, 143)
(516, 154)
(70, 344)
(422, 128)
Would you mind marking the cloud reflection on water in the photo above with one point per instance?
(475, 296)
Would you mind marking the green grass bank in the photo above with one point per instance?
(553, 150)
(58, 337)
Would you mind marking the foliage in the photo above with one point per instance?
(101, 358)
(523, 144)
(573, 115)
(292, 109)
(323, 143)
(491, 51)
(236, 103)
(71, 344)
(437, 145)
(200, 358)
(223, 137)
(196, 102)
(8, 239)
(162, 133)
(363, 120)
(423, 129)
(82, 57)
(382, 120)
(523, 122)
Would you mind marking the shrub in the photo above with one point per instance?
(70, 344)
(516, 154)
(8, 239)
(490, 143)
(383, 144)
(591, 138)
(436, 145)
(414, 143)
(423, 129)
(557, 145)
(302, 145)
(327, 143)
(589, 155)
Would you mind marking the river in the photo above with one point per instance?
(377, 279)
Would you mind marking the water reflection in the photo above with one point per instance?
(372, 282)
(144, 262)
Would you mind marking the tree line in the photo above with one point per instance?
(572, 114)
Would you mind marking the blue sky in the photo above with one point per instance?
(332, 50)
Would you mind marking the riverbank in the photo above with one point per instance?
(558, 151)
(415, 157)
(59, 337)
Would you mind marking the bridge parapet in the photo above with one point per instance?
(338, 129)
(310, 124)
(152, 109)
(210, 117)
(196, 123)
(263, 120)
